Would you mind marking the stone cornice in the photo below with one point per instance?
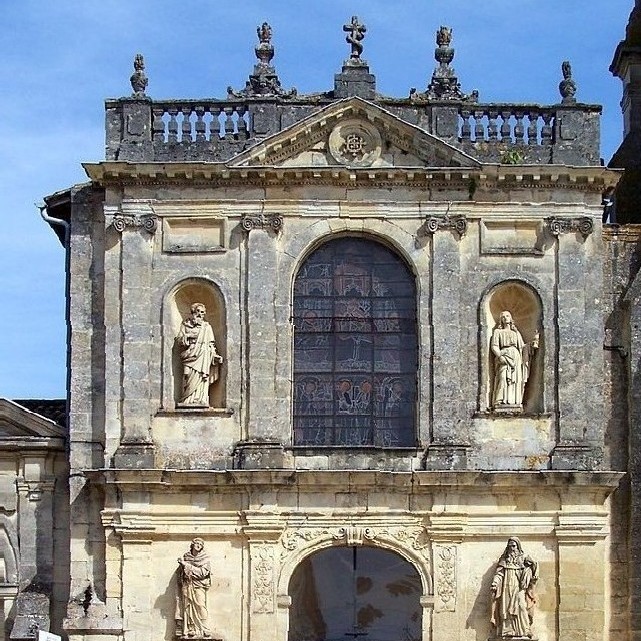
(307, 480)
(512, 177)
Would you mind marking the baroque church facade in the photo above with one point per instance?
(343, 366)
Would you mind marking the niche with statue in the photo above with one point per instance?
(196, 339)
(512, 344)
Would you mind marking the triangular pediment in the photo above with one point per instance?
(353, 133)
(17, 421)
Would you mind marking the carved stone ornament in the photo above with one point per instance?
(262, 221)
(148, 222)
(193, 583)
(263, 578)
(355, 33)
(567, 86)
(445, 570)
(457, 224)
(557, 225)
(355, 143)
(355, 535)
(139, 80)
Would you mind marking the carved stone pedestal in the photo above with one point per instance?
(259, 455)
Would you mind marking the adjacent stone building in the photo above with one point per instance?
(344, 365)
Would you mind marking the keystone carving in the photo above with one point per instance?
(262, 221)
(148, 222)
(557, 225)
(355, 535)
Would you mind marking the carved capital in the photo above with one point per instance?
(433, 224)
(148, 222)
(262, 221)
(558, 225)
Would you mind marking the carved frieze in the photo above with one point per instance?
(263, 578)
(558, 225)
(445, 577)
(262, 221)
(148, 222)
(433, 224)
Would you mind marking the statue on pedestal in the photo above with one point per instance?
(194, 580)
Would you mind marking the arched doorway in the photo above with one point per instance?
(355, 594)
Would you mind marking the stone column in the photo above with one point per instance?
(137, 225)
(580, 410)
(449, 444)
(267, 427)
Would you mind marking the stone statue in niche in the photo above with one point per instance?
(200, 360)
(513, 597)
(194, 580)
(512, 357)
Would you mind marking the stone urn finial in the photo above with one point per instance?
(567, 86)
(139, 80)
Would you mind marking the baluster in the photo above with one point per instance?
(158, 125)
(186, 124)
(242, 125)
(519, 128)
(229, 122)
(466, 129)
(200, 123)
(492, 126)
(479, 127)
(172, 125)
(533, 127)
(506, 128)
(546, 129)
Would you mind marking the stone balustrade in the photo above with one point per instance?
(141, 129)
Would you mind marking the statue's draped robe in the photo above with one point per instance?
(194, 579)
(200, 369)
(513, 586)
(509, 376)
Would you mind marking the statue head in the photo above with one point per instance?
(513, 547)
(198, 312)
(197, 545)
(505, 319)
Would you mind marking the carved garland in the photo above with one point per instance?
(148, 222)
(557, 225)
(263, 583)
(445, 580)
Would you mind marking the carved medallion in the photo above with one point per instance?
(355, 143)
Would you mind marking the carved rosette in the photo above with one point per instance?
(355, 143)
(557, 225)
(263, 578)
(445, 577)
(148, 222)
(262, 221)
(457, 224)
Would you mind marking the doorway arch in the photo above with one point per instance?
(355, 593)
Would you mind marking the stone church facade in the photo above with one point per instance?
(345, 365)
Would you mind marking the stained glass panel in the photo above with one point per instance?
(355, 347)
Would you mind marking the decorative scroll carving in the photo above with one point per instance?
(557, 225)
(148, 222)
(355, 535)
(263, 578)
(454, 223)
(139, 80)
(262, 221)
(355, 34)
(415, 536)
(567, 86)
(264, 81)
(291, 540)
(444, 84)
(445, 570)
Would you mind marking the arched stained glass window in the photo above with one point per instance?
(355, 347)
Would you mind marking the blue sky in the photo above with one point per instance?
(60, 60)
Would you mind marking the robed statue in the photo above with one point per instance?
(200, 360)
(194, 580)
